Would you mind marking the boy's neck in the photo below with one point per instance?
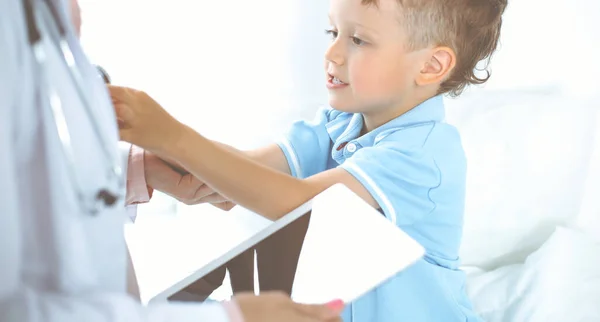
(375, 119)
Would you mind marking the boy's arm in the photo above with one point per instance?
(270, 156)
(250, 183)
(395, 175)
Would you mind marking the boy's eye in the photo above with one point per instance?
(332, 33)
(358, 41)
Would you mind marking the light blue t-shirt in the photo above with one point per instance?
(415, 168)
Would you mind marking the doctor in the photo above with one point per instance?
(62, 251)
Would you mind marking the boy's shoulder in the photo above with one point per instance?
(433, 146)
(425, 135)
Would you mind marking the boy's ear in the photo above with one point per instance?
(438, 65)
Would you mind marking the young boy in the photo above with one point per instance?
(383, 136)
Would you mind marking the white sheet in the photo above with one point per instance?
(534, 164)
(589, 215)
(559, 282)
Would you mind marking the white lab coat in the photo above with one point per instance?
(57, 263)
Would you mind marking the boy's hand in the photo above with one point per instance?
(142, 121)
(277, 307)
(179, 184)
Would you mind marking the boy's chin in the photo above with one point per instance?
(344, 106)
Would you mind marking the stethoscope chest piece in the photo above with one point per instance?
(107, 197)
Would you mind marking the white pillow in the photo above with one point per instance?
(589, 216)
(528, 155)
(559, 282)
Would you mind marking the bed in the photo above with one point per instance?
(531, 246)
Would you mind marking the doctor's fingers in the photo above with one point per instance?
(214, 197)
(205, 194)
(226, 205)
(190, 190)
(277, 306)
(319, 312)
(160, 175)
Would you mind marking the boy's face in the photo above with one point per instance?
(368, 66)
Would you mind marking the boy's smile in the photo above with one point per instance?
(333, 82)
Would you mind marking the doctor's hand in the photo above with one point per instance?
(142, 121)
(179, 184)
(278, 307)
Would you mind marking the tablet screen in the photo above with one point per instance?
(349, 249)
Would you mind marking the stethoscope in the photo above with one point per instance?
(104, 197)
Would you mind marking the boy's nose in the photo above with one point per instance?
(334, 53)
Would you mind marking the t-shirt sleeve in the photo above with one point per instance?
(307, 145)
(400, 178)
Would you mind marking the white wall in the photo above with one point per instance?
(549, 42)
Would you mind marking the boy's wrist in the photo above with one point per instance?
(174, 140)
(181, 139)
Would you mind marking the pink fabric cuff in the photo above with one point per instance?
(233, 310)
(137, 188)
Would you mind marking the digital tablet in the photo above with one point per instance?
(350, 248)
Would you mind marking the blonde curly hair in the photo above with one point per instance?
(469, 27)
